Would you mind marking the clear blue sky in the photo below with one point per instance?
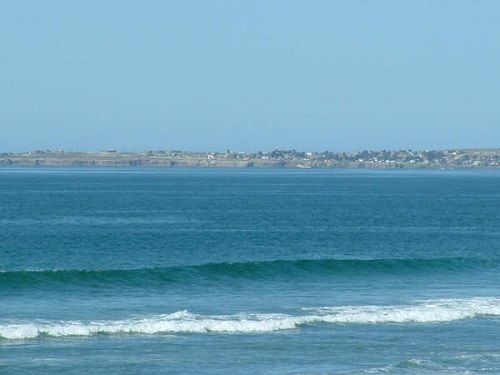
(249, 75)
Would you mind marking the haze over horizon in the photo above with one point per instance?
(248, 76)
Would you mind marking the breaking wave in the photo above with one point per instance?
(430, 311)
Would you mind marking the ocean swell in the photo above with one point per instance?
(217, 272)
(430, 311)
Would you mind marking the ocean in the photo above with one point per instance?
(255, 271)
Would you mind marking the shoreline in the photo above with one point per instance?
(402, 159)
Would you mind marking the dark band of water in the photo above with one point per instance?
(221, 272)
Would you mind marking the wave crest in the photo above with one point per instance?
(217, 272)
(431, 311)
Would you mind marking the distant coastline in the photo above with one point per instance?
(432, 159)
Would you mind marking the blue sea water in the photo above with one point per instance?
(187, 271)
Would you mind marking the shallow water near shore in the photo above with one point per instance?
(188, 271)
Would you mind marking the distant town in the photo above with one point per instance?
(462, 158)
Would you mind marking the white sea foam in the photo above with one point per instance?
(433, 311)
(430, 311)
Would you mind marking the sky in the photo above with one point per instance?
(249, 75)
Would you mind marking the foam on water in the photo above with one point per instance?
(431, 311)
